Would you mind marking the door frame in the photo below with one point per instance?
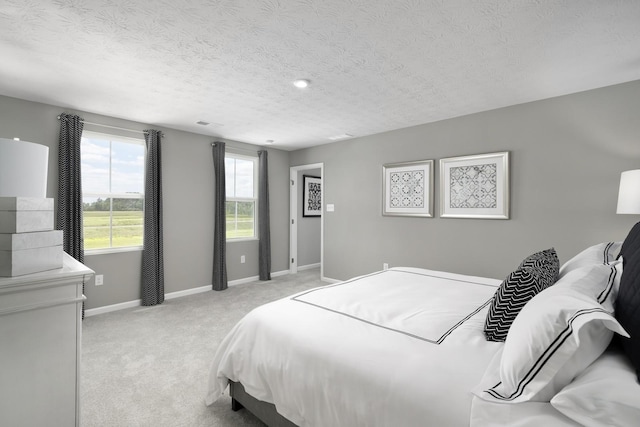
(294, 202)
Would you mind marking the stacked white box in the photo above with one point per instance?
(28, 242)
(25, 214)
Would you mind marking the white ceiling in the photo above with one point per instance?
(374, 65)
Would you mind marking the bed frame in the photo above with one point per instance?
(265, 412)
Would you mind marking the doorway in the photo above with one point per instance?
(306, 236)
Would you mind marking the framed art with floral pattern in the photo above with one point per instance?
(475, 186)
(408, 188)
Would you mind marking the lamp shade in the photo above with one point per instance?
(629, 193)
(23, 169)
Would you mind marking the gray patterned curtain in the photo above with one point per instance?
(152, 253)
(264, 232)
(69, 208)
(219, 280)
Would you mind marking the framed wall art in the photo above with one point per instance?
(312, 196)
(475, 186)
(408, 189)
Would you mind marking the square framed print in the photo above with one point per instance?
(312, 196)
(408, 189)
(475, 186)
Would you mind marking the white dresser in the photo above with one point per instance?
(40, 344)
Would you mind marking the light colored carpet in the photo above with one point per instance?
(148, 366)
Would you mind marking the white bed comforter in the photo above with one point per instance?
(402, 347)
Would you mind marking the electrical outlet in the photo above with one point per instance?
(385, 266)
(242, 259)
(99, 279)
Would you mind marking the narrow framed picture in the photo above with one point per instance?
(408, 189)
(475, 186)
(312, 196)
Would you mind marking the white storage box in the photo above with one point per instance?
(22, 241)
(25, 214)
(27, 253)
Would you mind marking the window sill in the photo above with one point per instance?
(90, 252)
(243, 239)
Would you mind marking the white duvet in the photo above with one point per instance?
(402, 347)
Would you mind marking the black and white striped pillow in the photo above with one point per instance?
(535, 273)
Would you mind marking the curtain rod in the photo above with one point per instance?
(113, 127)
(246, 150)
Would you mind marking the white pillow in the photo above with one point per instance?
(602, 253)
(605, 394)
(560, 332)
(598, 281)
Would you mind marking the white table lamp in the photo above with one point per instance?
(629, 193)
(23, 169)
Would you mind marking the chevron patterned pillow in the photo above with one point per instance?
(535, 273)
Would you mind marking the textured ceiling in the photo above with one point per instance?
(374, 65)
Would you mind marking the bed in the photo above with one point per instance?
(409, 347)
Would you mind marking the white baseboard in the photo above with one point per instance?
(136, 303)
(280, 273)
(309, 266)
(330, 280)
(256, 278)
(114, 307)
(186, 292)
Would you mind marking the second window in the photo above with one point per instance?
(241, 176)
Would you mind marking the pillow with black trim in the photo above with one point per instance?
(602, 253)
(535, 273)
(560, 332)
(628, 301)
(600, 282)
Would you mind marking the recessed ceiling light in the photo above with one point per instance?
(343, 136)
(301, 83)
(202, 123)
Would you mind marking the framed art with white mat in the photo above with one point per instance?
(408, 189)
(475, 186)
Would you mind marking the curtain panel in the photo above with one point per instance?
(219, 279)
(69, 203)
(69, 207)
(264, 232)
(152, 253)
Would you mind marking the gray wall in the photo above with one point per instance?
(567, 154)
(566, 157)
(188, 205)
(308, 227)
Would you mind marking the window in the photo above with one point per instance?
(112, 191)
(241, 174)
